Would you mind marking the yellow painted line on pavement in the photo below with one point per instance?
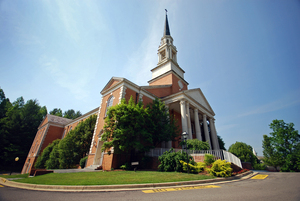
(260, 176)
(1, 186)
(179, 189)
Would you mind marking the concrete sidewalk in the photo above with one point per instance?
(126, 187)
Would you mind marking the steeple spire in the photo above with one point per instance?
(167, 29)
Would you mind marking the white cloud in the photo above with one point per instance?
(74, 83)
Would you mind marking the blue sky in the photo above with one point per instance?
(244, 55)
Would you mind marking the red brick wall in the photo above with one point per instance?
(161, 92)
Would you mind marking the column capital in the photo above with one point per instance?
(182, 102)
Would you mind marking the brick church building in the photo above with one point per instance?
(189, 106)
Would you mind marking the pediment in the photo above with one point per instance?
(199, 97)
(111, 82)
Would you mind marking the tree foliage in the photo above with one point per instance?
(66, 153)
(129, 126)
(42, 159)
(195, 144)
(125, 128)
(69, 114)
(282, 147)
(243, 152)
(221, 142)
(56, 112)
(161, 125)
(18, 125)
(77, 143)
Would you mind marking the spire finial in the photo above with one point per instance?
(167, 29)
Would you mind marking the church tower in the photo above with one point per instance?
(167, 71)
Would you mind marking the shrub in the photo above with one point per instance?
(259, 166)
(53, 161)
(126, 166)
(193, 168)
(220, 168)
(209, 159)
(83, 161)
(195, 144)
(170, 161)
(42, 159)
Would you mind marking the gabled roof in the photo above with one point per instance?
(195, 98)
(49, 118)
(111, 81)
(198, 96)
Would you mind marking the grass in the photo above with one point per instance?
(111, 178)
(14, 176)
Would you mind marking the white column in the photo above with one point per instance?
(206, 130)
(189, 121)
(197, 125)
(214, 134)
(183, 116)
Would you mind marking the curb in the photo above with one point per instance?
(126, 187)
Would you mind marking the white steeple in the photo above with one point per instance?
(167, 55)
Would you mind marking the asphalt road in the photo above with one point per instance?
(277, 186)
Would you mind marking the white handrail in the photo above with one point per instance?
(219, 154)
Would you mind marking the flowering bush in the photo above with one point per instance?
(240, 172)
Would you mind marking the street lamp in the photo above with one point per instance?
(185, 136)
(16, 159)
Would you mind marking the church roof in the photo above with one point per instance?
(167, 29)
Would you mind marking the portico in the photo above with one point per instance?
(197, 117)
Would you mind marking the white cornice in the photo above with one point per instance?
(129, 85)
(183, 96)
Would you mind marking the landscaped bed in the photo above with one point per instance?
(112, 177)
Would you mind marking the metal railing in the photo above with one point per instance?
(219, 154)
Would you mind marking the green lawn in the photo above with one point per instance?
(14, 175)
(111, 178)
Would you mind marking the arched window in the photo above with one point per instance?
(109, 103)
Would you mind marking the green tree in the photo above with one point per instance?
(195, 144)
(221, 143)
(56, 112)
(19, 122)
(77, 143)
(243, 152)
(125, 128)
(71, 114)
(161, 124)
(53, 161)
(282, 147)
(42, 159)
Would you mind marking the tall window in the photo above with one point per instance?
(109, 103)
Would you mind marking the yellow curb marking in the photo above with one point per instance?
(1, 186)
(260, 176)
(179, 189)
